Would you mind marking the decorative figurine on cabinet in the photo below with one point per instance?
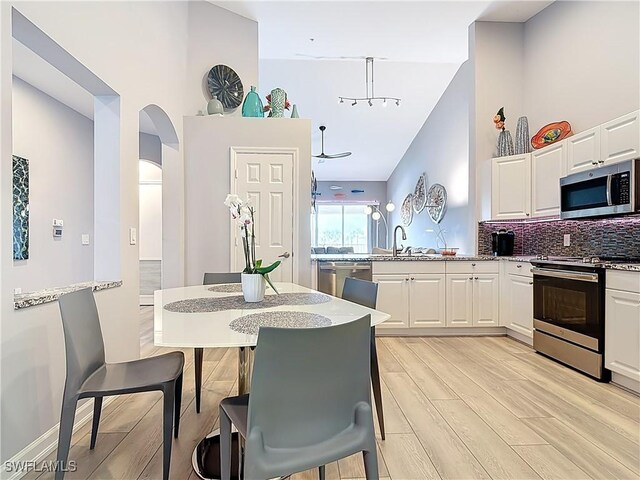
(505, 143)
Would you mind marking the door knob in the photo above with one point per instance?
(284, 255)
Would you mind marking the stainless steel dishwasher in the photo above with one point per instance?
(331, 275)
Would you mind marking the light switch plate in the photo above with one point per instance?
(567, 239)
(133, 236)
(85, 239)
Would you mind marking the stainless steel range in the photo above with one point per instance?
(568, 312)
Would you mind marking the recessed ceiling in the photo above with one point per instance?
(315, 50)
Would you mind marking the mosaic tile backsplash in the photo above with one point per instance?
(610, 237)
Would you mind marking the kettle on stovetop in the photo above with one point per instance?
(502, 242)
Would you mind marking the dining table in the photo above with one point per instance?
(217, 316)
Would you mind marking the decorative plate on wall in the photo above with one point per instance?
(437, 202)
(225, 83)
(406, 211)
(420, 194)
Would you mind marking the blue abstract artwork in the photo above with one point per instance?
(20, 208)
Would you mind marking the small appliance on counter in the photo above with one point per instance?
(502, 243)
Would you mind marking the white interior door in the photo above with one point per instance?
(267, 179)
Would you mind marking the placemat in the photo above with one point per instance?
(250, 324)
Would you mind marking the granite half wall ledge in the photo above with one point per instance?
(47, 295)
(603, 237)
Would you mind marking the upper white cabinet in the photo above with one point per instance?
(620, 139)
(511, 187)
(548, 165)
(583, 150)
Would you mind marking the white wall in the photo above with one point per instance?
(441, 149)
(150, 148)
(140, 49)
(218, 36)
(58, 142)
(207, 162)
(582, 63)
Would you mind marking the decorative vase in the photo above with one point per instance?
(253, 287)
(505, 144)
(214, 107)
(522, 136)
(252, 106)
(294, 111)
(278, 99)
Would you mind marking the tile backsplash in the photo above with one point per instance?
(611, 237)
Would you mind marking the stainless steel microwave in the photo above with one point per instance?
(609, 190)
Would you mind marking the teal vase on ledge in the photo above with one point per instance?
(252, 106)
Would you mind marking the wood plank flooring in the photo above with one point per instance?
(455, 408)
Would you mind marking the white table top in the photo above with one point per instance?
(210, 330)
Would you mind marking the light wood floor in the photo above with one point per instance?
(456, 408)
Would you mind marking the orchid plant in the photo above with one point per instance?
(243, 214)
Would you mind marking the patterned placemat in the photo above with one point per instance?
(227, 288)
(250, 324)
(236, 302)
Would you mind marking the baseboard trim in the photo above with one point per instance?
(528, 341)
(441, 332)
(42, 446)
(626, 383)
(146, 300)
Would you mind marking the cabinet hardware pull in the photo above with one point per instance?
(530, 283)
(518, 266)
(476, 278)
(412, 279)
(470, 278)
(473, 264)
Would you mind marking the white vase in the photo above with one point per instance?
(253, 287)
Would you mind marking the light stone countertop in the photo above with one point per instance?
(627, 267)
(47, 295)
(365, 257)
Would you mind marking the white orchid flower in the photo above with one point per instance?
(244, 220)
(233, 201)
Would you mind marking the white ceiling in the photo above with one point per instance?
(420, 44)
(35, 71)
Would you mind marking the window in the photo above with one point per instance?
(341, 225)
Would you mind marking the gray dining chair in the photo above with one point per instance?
(365, 293)
(309, 403)
(198, 353)
(89, 376)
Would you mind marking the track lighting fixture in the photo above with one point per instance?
(370, 98)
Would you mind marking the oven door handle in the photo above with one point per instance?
(579, 276)
(609, 199)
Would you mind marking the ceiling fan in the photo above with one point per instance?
(323, 156)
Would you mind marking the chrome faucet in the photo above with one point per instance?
(395, 244)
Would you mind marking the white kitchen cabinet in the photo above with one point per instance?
(622, 326)
(548, 165)
(459, 300)
(620, 139)
(583, 150)
(393, 298)
(511, 187)
(518, 297)
(486, 300)
(427, 300)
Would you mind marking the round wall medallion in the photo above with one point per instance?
(406, 210)
(437, 202)
(225, 83)
(420, 194)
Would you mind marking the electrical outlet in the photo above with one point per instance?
(85, 239)
(567, 239)
(133, 236)
(17, 290)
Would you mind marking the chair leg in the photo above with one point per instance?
(169, 391)
(321, 472)
(375, 382)
(97, 409)
(178, 406)
(198, 353)
(67, 418)
(370, 458)
(225, 446)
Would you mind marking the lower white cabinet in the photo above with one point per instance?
(427, 300)
(622, 333)
(518, 297)
(393, 298)
(473, 300)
